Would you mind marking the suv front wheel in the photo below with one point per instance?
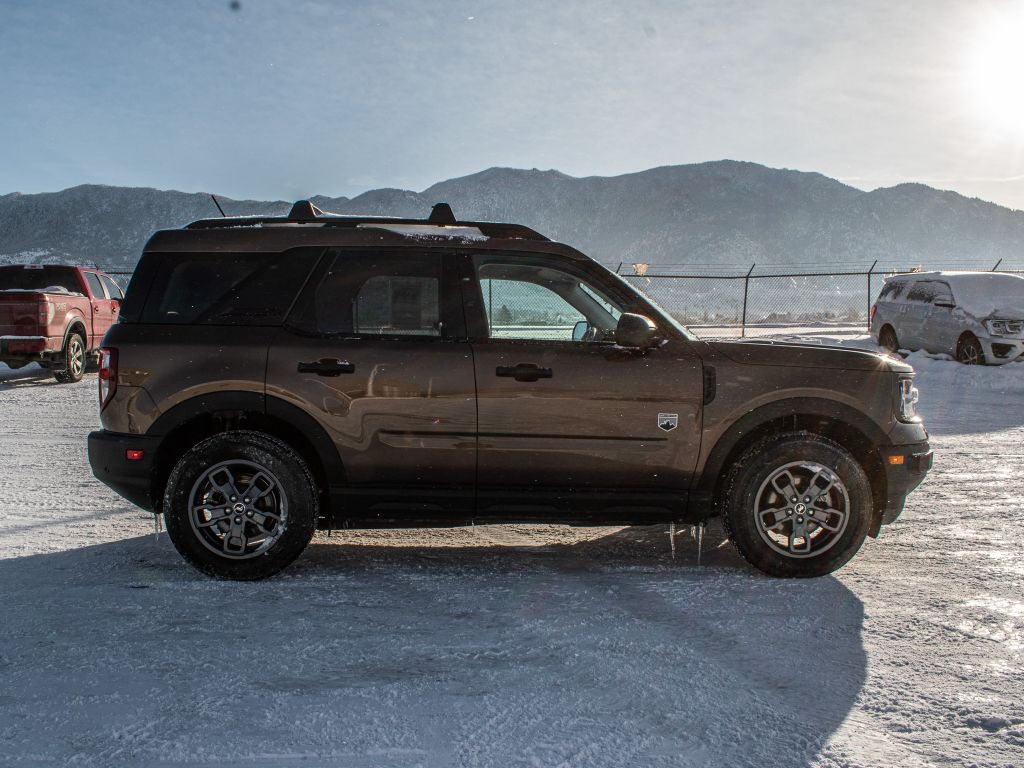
(797, 505)
(240, 505)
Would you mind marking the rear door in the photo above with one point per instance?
(943, 321)
(568, 420)
(376, 351)
(913, 312)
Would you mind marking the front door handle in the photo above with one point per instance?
(327, 367)
(524, 372)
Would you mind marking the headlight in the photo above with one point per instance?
(908, 397)
(1005, 327)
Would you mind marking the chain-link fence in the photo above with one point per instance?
(756, 302)
(712, 300)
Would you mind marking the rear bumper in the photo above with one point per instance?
(29, 348)
(905, 469)
(132, 479)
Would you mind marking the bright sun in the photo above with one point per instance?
(995, 73)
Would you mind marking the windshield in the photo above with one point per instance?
(46, 278)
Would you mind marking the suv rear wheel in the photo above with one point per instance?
(240, 505)
(797, 505)
(887, 339)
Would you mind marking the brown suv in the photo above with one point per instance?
(272, 376)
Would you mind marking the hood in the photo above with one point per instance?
(1007, 312)
(795, 355)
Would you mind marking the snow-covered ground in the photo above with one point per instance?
(513, 646)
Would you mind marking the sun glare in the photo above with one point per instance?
(995, 73)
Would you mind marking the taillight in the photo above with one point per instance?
(46, 311)
(871, 315)
(108, 375)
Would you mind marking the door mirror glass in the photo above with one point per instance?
(580, 330)
(636, 331)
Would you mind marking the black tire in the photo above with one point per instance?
(72, 360)
(969, 351)
(206, 538)
(887, 339)
(750, 486)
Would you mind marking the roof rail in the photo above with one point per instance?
(304, 213)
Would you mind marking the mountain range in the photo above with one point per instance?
(723, 214)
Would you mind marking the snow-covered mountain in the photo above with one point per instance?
(724, 213)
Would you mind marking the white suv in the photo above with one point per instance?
(978, 317)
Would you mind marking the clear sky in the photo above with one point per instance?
(281, 99)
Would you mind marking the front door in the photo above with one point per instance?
(103, 310)
(567, 419)
(375, 350)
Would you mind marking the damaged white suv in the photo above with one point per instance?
(977, 317)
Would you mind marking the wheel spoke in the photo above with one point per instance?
(788, 489)
(259, 486)
(824, 521)
(236, 532)
(822, 474)
(773, 518)
(223, 482)
(799, 532)
(216, 515)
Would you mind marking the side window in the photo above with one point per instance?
(892, 290)
(522, 310)
(94, 285)
(366, 294)
(227, 288)
(943, 294)
(923, 292)
(529, 299)
(113, 290)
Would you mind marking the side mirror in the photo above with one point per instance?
(636, 331)
(579, 331)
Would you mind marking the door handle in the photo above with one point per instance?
(524, 372)
(327, 367)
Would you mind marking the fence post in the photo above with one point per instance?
(869, 293)
(997, 265)
(746, 288)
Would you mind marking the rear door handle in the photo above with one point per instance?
(524, 372)
(327, 367)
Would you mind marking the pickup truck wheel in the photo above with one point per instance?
(240, 505)
(73, 360)
(798, 505)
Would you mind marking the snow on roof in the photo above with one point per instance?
(428, 230)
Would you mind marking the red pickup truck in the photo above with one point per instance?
(55, 316)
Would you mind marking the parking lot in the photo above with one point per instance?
(506, 646)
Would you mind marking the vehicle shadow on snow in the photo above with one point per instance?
(29, 376)
(606, 652)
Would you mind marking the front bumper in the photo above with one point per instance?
(132, 479)
(1002, 349)
(905, 469)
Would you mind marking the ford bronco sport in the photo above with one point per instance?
(273, 376)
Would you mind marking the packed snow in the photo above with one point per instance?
(514, 646)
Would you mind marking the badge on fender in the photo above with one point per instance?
(668, 421)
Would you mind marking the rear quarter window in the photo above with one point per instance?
(892, 290)
(225, 289)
